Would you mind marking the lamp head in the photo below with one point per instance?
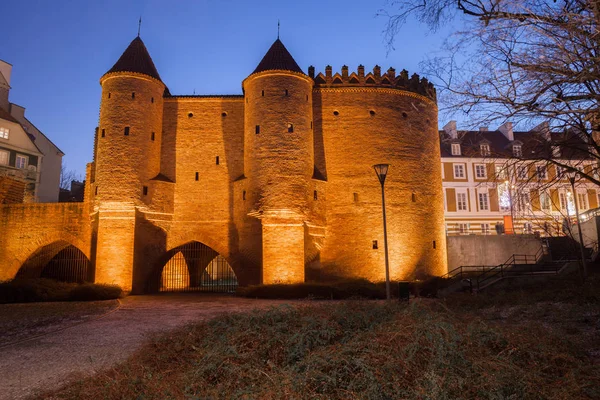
(381, 170)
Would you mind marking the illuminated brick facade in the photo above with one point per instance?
(279, 180)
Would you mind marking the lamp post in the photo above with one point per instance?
(571, 175)
(381, 171)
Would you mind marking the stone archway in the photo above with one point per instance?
(193, 267)
(59, 260)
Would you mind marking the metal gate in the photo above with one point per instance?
(60, 261)
(195, 267)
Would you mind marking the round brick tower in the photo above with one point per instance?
(279, 159)
(127, 157)
(129, 132)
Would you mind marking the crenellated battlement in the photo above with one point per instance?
(389, 79)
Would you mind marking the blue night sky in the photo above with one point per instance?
(60, 49)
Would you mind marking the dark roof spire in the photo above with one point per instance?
(278, 27)
(136, 59)
(139, 26)
(278, 57)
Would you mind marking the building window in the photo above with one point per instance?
(455, 149)
(459, 171)
(109, 95)
(480, 171)
(461, 201)
(485, 229)
(527, 227)
(542, 173)
(21, 161)
(103, 132)
(290, 128)
(244, 195)
(544, 201)
(375, 246)
(311, 125)
(517, 150)
(562, 198)
(145, 190)
(500, 172)
(522, 173)
(463, 228)
(560, 172)
(126, 131)
(485, 150)
(197, 175)
(257, 129)
(524, 202)
(262, 93)
(286, 92)
(96, 190)
(152, 136)
(355, 195)
(217, 160)
(582, 199)
(555, 151)
(151, 99)
(315, 196)
(4, 157)
(4, 133)
(483, 202)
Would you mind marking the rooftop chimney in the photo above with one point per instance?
(450, 129)
(507, 130)
(543, 129)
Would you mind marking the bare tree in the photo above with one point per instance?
(524, 61)
(67, 176)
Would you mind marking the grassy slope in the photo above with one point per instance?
(493, 346)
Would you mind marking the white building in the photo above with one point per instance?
(30, 163)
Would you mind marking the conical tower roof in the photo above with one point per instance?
(278, 57)
(136, 59)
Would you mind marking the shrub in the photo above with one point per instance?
(33, 290)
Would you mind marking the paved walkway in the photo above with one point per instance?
(49, 361)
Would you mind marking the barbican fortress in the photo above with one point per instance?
(274, 185)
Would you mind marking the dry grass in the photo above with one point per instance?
(429, 349)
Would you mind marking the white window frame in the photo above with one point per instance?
(463, 228)
(485, 229)
(462, 202)
(483, 199)
(545, 195)
(522, 172)
(455, 149)
(562, 200)
(459, 167)
(4, 132)
(23, 157)
(527, 227)
(500, 171)
(482, 168)
(6, 158)
(484, 149)
(517, 150)
(560, 172)
(582, 201)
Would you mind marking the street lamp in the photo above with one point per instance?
(571, 175)
(381, 170)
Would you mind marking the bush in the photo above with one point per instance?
(33, 290)
(335, 290)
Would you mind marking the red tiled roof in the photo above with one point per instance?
(136, 59)
(278, 57)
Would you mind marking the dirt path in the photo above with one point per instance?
(49, 361)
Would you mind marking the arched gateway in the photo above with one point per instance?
(59, 260)
(193, 267)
